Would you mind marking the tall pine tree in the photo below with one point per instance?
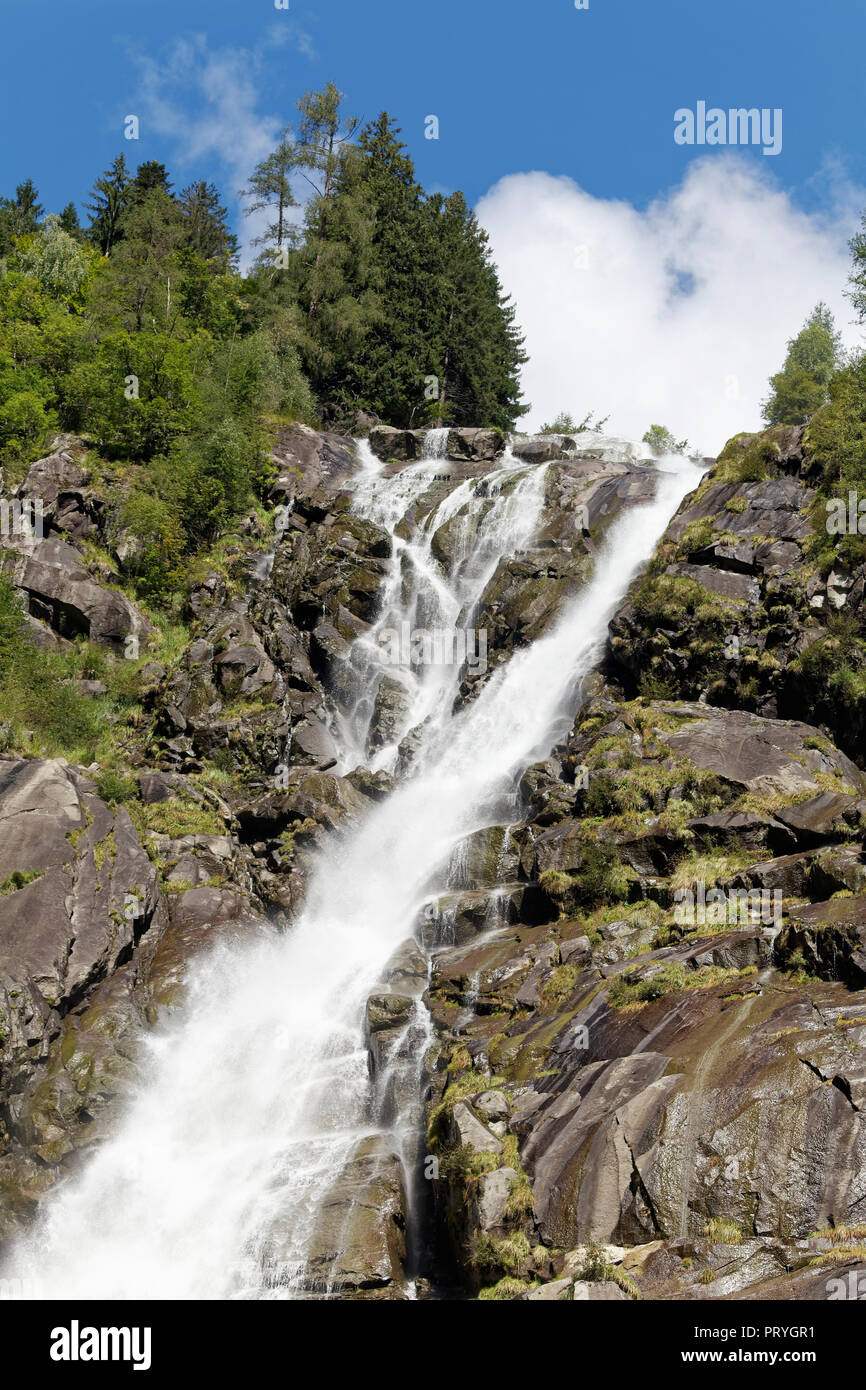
(474, 344)
(109, 197)
(207, 230)
(270, 186)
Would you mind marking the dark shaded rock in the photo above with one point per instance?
(820, 818)
(60, 591)
(389, 443)
(827, 939)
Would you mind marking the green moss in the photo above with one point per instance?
(519, 1203)
(104, 849)
(666, 599)
(748, 458)
(468, 1083)
(559, 986)
(672, 978)
(19, 879)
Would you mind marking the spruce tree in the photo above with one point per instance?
(392, 361)
(69, 222)
(469, 322)
(19, 216)
(109, 199)
(207, 230)
(148, 176)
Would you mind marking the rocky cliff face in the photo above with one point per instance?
(647, 991)
(647, 1078)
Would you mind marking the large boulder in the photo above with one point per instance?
(61, 483)
(307, 459)
(80, 916)
(59, 591)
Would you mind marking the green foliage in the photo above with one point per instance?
(40, 710)
(271, 187)
(723, 1231)
(564, 423)
(829, 677)
(40, 338)
(801, 387)
(60, 265)
(19, 216)
(661, 441)
(396, 304)
(857, 277)
(109, 195)
(663, 600)
(19, 878)
(600, 878)
(747, 458)
(140, 334)
(156, 564)
(598, 1269)
(138, 391)
(670, 978)
(112, 786)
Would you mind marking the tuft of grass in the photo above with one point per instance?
(723, 1231)
(174, 817)
(506, 1289)
(19, 878)
(672, 978)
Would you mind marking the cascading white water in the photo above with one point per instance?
(256, 1095)
(490, 517)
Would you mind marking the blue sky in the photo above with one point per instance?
(517, 86)
(588, 95)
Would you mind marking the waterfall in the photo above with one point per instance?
(436, 444)
(254, 1097)
(490, 517)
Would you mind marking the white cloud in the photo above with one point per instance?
(205, 101)
(682, 310)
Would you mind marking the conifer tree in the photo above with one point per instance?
(334, 270)
(109, 199)
(207, 230)
(470, 323)
(270, 187)
(69, 222)
(19, 216)
(391, 364)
